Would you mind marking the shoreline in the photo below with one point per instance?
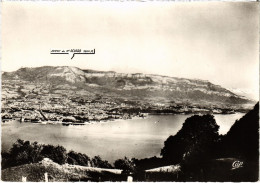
(90, 122)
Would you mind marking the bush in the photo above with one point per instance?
(125, 164)
(98, 162)
(75, 158)
(22, 152)
(57, 153)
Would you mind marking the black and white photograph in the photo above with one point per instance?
(129, 91)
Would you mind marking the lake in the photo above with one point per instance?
(138, 137)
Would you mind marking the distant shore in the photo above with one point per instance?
(93, 121)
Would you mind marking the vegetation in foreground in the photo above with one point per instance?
(204, 155)
(56, 172)
(197, 149)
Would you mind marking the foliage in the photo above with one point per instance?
(194, 145)
(243, 137)
(125, 164)
(149, 163)
(194, 141)
(57, 153)
(22, 152)
(242, 141)
(98, 162)
(200, 136)
(200, 149)
(75, 158)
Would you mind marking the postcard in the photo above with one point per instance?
(143, 91)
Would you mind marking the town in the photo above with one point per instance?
(40, 102)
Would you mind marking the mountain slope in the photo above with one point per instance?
(137, 85)
(69, 94)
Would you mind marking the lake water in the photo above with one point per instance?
(139, 138)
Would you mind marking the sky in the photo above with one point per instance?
(215, 41)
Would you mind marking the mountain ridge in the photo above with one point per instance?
(70, 94)
(123, 81)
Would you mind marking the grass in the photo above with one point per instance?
(60, 173)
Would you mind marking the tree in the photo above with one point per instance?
(173, 149)
(22, 152)
(98, 162)
(75, 158)
(35, 153)
(194, 142)
(200, 136)
(56, 153)
(125, 164)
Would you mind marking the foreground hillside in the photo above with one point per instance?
(204, 155)
(59, 173)
(70, 94)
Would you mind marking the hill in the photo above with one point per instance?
(112, 95)
(242, 141)
(59, 173)
(242, 138)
